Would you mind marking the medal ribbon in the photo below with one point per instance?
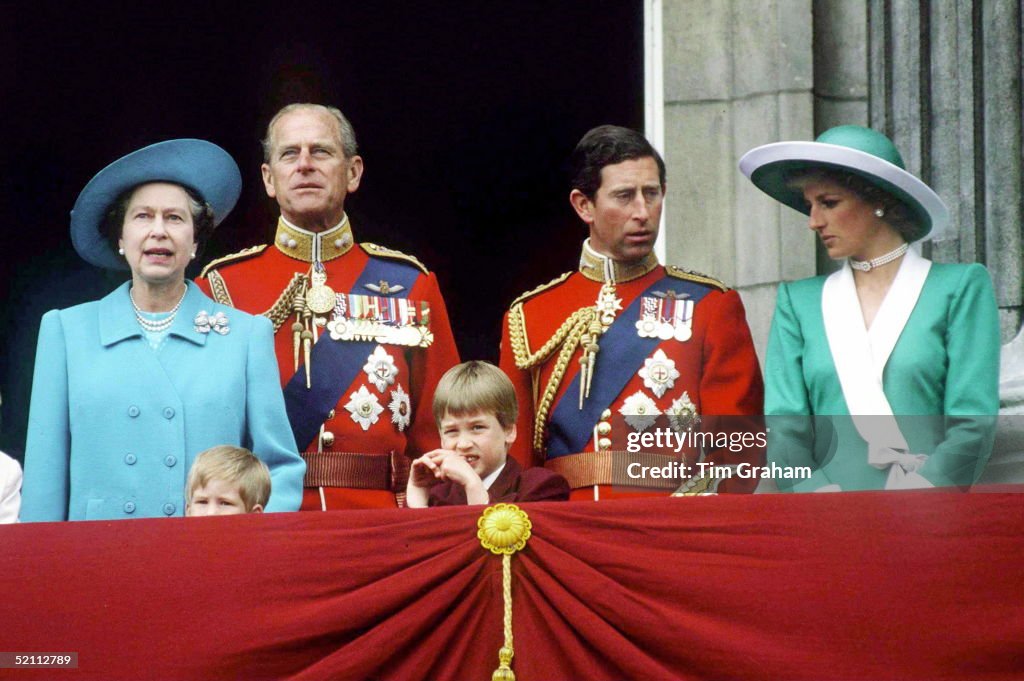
(397, 312)
(622, 351)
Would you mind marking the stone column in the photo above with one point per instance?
(738, 73)
(946, 86)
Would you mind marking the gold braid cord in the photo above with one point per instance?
(282, 307)
(504, 529)
(567, 337)
(219, 288)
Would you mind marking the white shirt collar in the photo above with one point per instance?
(489, 480)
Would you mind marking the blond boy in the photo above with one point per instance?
(227, 480)
(475, 410)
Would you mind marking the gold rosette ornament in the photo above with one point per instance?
(504, 529)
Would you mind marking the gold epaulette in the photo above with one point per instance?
(543, 287)
(241, 255)
(381, 252)
(688, 275)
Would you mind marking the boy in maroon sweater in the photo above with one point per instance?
(475, 410)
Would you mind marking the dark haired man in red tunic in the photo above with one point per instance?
(624, 345)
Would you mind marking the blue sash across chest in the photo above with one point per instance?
(622, 352)
(335, 364)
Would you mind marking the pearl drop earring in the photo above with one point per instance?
(879, 212)
(120, 251)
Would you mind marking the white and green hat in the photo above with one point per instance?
(862, 151)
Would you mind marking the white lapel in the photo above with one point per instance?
(896, 308)
(860, 356)
(850, 346)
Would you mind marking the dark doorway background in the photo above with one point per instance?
(465, 114)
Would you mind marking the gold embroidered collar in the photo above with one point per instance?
(601, 268)
(307, 246)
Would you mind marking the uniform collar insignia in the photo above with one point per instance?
(307, 246)
(384, 288)
(600, 268)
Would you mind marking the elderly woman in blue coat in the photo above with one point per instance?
(895, 358)
(130, 388)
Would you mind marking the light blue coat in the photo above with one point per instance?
(114, 425)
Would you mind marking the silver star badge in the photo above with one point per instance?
(364, 407)
(659, 373)
(401, 409)
(683, 413)
(380, 368)
(640, 411)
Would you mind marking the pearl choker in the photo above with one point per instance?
(160, 325)
(868, 265)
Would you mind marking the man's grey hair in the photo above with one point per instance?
(346, 135)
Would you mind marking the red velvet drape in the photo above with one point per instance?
(911, 585)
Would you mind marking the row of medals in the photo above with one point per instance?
(321, 299)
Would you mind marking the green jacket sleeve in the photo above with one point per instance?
(786, 404)
(972, 383)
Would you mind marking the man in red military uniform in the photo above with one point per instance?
(361, 331)
(624, 346)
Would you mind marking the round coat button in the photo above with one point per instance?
(133, 411)
(129, 507)
(170, 461)
(130, 459)
(169, 509)
(168, 413)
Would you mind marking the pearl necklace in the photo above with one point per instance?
(160, 325)
(868, 265)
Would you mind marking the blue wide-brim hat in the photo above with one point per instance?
(855, 149)
(197, 164)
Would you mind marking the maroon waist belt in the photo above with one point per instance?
(385, 471)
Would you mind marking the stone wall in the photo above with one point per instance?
(946, 86)
(944, 83)
(738, 73)
(942, 78)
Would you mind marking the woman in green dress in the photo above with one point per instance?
(884, 374)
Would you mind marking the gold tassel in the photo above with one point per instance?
(307, 344)
(605, 308)
(504, 671)
(298, 307)
(504, 529)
